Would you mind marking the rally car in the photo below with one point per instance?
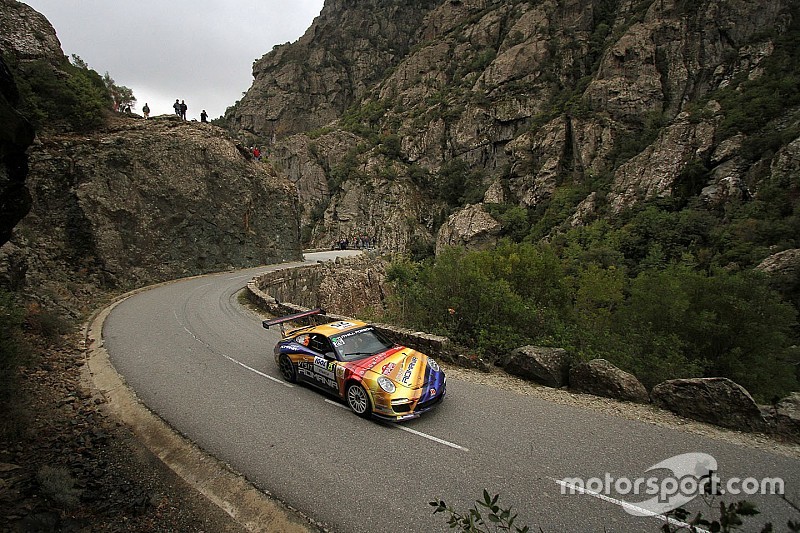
(354, 361)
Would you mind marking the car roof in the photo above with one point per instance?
(331, 328)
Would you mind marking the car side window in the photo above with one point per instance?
(302, 339)
(320, 343)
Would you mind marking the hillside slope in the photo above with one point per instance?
(607, 102)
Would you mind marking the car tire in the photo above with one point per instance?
(288, 371)
(358, 400)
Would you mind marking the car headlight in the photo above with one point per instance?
(386, 384)
(433, 364)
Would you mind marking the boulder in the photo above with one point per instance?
(548, 366)
(785, 417)
(601, 378)
(718, 401)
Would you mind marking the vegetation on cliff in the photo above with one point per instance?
(65, 95)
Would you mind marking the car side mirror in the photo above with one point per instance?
(330, 356)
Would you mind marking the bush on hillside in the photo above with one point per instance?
(62, 96)
(666, 321)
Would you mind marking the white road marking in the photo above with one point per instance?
(409, 430)
(337, 404)
(251, 369)
(626, 505)
(434, 439)
(229, 358)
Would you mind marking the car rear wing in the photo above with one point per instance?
(291, 318)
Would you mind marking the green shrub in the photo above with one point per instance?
(486, 515)
(457, 185)
(64, 96)
(666, 320)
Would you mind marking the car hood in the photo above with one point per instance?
(404, 366)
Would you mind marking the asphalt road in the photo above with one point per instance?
(203, 362)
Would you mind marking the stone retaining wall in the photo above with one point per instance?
(271, 290)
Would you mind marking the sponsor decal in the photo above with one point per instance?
(433, 392)
(322, 373)
(340, 325)
(409, 371)
(324, 367)
(387, 369)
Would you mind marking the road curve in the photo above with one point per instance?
(203, 363)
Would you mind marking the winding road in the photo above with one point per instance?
(203, 363)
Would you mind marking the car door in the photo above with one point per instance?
(324, 365)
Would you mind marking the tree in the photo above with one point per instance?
(122, 96)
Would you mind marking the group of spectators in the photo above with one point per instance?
(358, 242)
(179, 106)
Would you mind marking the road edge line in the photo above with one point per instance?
(251, 508)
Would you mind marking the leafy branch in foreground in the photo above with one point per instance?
(730, 519)
(488, 516)
(499, 519)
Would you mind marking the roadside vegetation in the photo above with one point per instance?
(488, 515)
(660, 293)
(26, 329)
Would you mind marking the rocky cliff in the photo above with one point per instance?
(308, 84)
(479, 101)
(129, 202)
(142, 201)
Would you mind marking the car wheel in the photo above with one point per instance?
(287, 368)
(358, 400)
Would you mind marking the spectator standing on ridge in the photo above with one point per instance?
(146, 110)
(257, 153)
(183, 109)
(204, 116)
(177, 107)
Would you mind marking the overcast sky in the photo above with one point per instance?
(200, 51)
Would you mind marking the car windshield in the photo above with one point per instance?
(358, 344)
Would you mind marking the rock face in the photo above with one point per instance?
(601, 378)
(16, 134)
(718, 401)
(310, 83)
(141, 201)
(472, 227)
(786, 263)
(548, 366)
(401, 92)
(26, 33)
(786, 417)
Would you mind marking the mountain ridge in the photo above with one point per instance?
(528, 96)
